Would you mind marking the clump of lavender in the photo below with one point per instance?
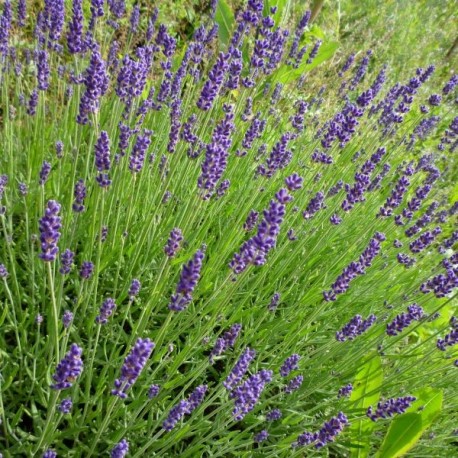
(240, 369)
(133, 365)
(390, 407)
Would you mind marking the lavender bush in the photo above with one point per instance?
(209, 246)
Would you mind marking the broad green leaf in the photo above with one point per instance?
(405, 430)
(366, 391)
(224, 17)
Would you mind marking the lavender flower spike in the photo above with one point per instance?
(173, 243)
(120, 450)
(68, 369)
(50, 225)
(289, 365)
(134, 363)
(65, 406)
(390, 407)
(106, 310)
(239, 370)
(190, 275)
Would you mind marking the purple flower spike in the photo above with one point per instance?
(66, 261)
(134, 289)
(403, 320)
(239, 370)
(451, 338)
(261, 436)
(184, 407)
(294, 384)
(87, 269)
(106, 310)
(274, 415)
(355, 327)
(228, 340)
(190, 275)
(44, 173)
(251, 220)
(75, 40)
(294, 182)
(3, 272)
(43, 70)
(247, 394)
(50, 225)
(49, 454)
(65, 406)
(153, 391)
(120, 450)
(290, 365)
(315, 204)
(133, 365)
(173, 242)
(345, 391)
(67, 319)
(330, 430)
(68, 369)
(102, 159)
(213, 84)
(80, 195)
(137, 157)
(390, 407)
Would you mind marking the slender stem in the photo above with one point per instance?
(55, 315)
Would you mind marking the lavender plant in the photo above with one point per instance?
(192, 235)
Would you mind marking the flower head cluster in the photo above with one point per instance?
(120, 450)
(247, 394)
(278, 159)
(390, 407)
(185, 407)
(102, 159)
(240, 369)
(173, 242)
(67, 319)
(355, 327)
(261, 436)
(153, 391)
(294, 384)
(80, 195)
(96, 82)
(106, 310)
(451, 338)
(216, 155)
(326, 434)
(289, 365)
(274, 415)
(134, 289)
(345, 391)
(226, 341)
(65, 406)
(50, 225)
(214, 82)
(68, 369)
(133, 365)
(189, 277)
(401, 321)
(137, 157)
(254, 251)
(354, 269)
